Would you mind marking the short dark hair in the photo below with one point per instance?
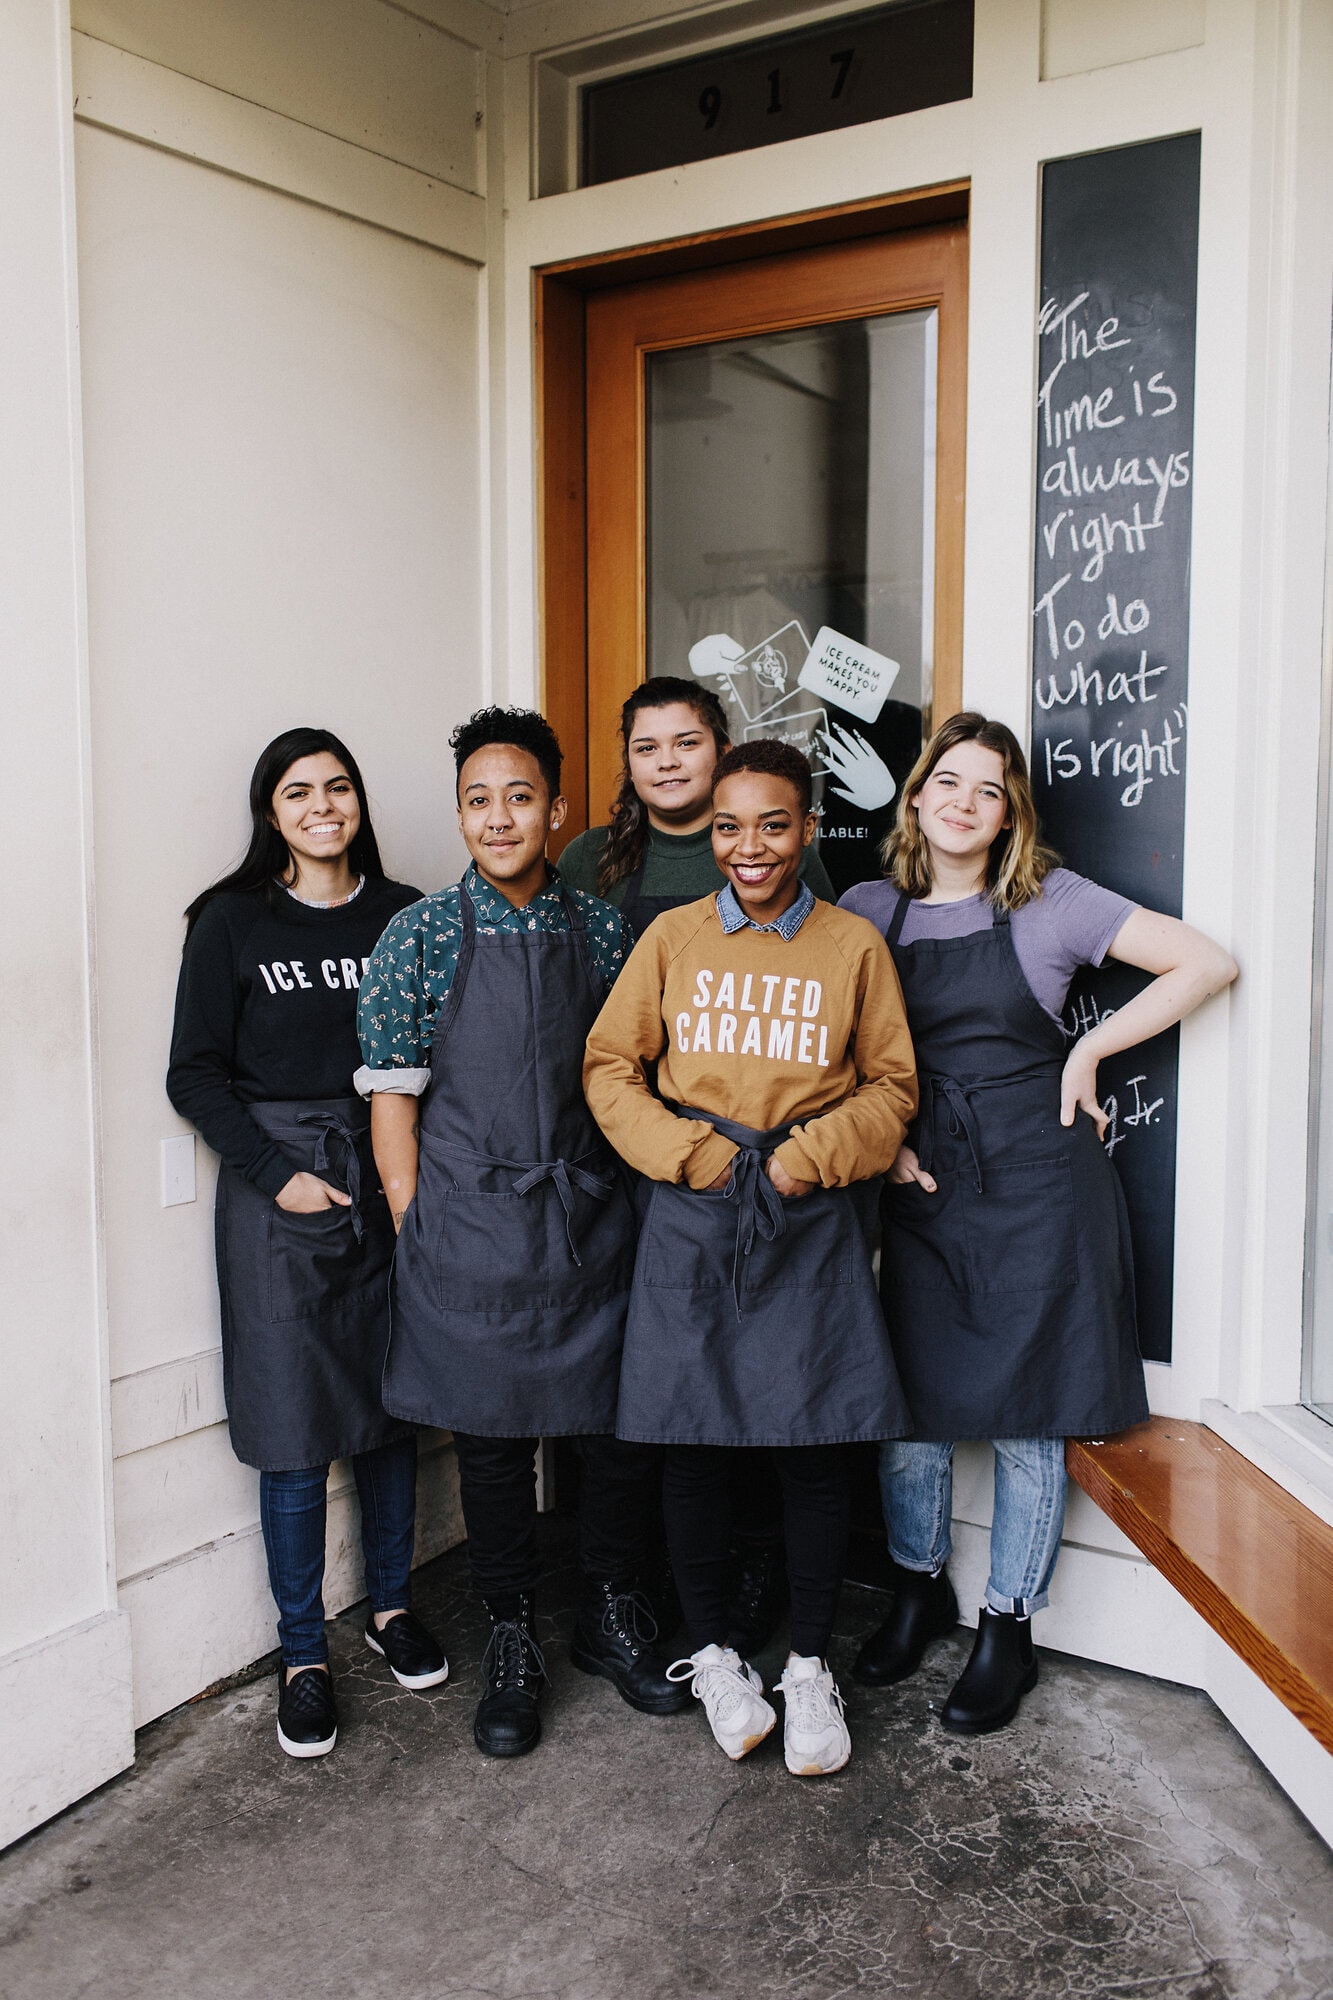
(775, 759)
(523, 727)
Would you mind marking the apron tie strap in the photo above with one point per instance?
(759, 1211)
(330, 1126)
(962, 1124)
(567, 1174)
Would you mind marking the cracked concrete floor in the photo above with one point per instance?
(1119, 1840)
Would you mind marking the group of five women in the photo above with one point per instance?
(607, 1152)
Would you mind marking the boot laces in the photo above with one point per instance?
(756, 1577)
(629, 1616)
(512, 1657)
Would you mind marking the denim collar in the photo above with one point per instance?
(733, 917)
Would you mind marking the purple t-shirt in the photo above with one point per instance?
(1073, 922)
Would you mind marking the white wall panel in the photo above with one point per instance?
(283, 486)
(377, 76)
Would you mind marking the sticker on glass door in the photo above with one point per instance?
(766, 693)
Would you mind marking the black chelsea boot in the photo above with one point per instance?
(924, 1608)
(1002, 1669)
(508, 1721)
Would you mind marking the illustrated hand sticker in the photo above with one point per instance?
(717, 654)
(867, 781)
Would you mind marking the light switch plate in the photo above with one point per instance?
(178, 1170)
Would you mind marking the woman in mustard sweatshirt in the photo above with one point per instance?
(773, 1026)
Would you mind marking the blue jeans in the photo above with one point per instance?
(916, 1486)
(292, 1511)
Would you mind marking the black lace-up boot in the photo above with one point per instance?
(508, 1722)
(1002, 1669)
(760, 1596)
(924, 1608)
(614, 1637)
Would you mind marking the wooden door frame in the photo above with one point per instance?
(561, 293)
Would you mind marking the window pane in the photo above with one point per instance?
(791, 492)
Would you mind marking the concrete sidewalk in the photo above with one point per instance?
(1118, 1840)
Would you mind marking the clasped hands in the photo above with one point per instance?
(789, 1189)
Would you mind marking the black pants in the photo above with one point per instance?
(498, 1482)
(816, 1510)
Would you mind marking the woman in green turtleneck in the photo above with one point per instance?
(657, 852)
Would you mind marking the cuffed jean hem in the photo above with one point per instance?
(916, 1485)
(918, 1568)
(1024, 1606)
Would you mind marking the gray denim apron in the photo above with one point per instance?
(1009, 1294)
(514, 1261)
(754, 1320)
(305, 1298)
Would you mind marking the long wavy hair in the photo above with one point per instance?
(268, 858)
(1019, 860)
(627, 834)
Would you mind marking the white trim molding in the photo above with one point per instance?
(142, 100)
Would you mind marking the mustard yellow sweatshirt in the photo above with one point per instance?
(759, 1030)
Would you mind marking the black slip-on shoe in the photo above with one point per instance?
(307, 1716)
(924, 1608)
(414, 1654)
(1002, 1669)
(613, 1637)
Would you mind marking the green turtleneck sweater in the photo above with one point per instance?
(677, 864)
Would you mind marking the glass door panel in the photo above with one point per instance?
(774, 506)
(791, 549)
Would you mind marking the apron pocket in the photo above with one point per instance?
(688, 1240)
(923, 1247)
(497, 1251)
(1022, 1232)
(817, 1250)
(315, 1264)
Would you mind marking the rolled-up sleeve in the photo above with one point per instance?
(393, 1019)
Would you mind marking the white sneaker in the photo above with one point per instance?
(815, 1737)
(732, 1694)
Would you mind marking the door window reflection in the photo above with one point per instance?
(791, 500)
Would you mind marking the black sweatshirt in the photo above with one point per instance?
(266, 1013)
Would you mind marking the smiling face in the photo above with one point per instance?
(316, 810)
(506, 814)
(672, 755)
(759, 833)
(963, 805)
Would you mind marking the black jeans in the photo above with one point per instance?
(497, 1478)
(696, 1501)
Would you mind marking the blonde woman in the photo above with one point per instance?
(1007, 1281)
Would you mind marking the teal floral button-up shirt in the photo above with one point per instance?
(412, 969)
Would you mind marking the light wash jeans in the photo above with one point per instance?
(916, 1485)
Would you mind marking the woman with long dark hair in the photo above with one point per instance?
(262, 1057)
(656, 853)
(1006, 1273)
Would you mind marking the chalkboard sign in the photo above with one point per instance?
(1110, 717)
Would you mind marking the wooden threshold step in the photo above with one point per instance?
(1251, 1560)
